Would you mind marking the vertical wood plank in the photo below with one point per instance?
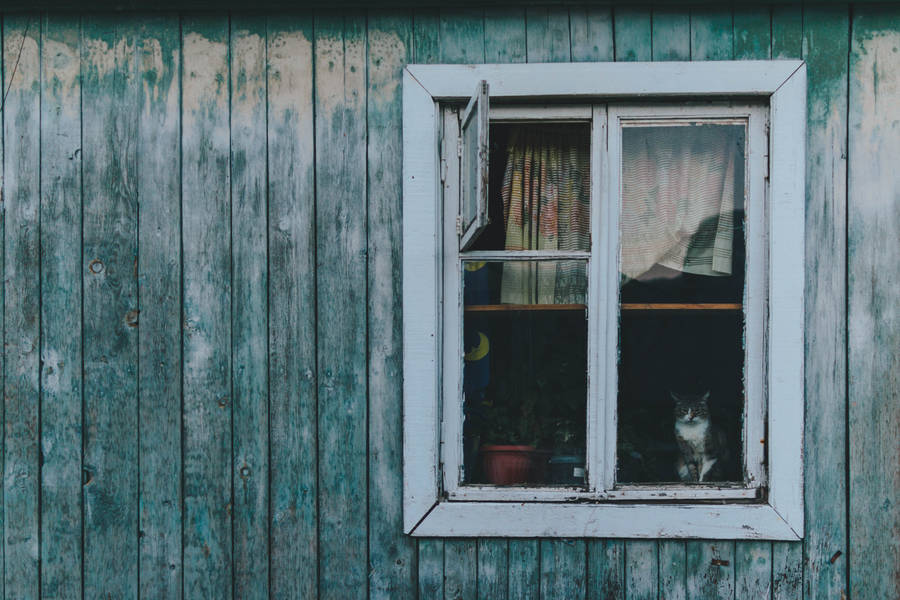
(426, 36)
(460, 569)
(430, 569)
(61, 342)
(462, 35)
(249, 324)
(592, 33)
(293, 487)
(752, 32)
(641, 570)
(787, 30)
(340, 97)
(3, 350)
(874, 312)
(207, 335)
(672, 570)
(606, 569)
(710, 570)
(752, 569)
(524, 569)
(504, 35)
(632, 33)
(563, 569)
(21, 318)
(671, 34)
(711, 33)
(787, 570)
(392, 555)
(110, 107)
(60, 234)
(493, 560)
(159, 292)
(825, 48)
(547, 34)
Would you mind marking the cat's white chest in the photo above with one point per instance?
(693, 433)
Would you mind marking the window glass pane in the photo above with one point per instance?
(524, 372)
(539, 191)
(470, 171)
(681, 363)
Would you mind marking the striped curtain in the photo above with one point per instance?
(546, 206)
(678, 192)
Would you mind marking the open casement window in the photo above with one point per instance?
(473, 149)
(617, 351)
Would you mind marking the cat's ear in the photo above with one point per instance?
(706, 395)
(675, 396)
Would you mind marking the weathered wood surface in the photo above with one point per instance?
(825, 48)
(207, 133)
(249, 323)
(22, 301)
(110, 107)
(159, 294)
(873, 233)
(207, 308)
(293, 452)
(392, 556)
(61, 340)
(341, 216)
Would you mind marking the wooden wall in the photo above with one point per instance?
(201, 317)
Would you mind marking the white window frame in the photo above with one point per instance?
(429, 509)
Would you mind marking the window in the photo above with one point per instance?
(603, 269)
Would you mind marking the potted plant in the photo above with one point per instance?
(509, 430)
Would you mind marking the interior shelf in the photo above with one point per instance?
(627, 306)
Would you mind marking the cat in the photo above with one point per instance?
(703, 449)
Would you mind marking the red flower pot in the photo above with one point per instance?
(506, 465)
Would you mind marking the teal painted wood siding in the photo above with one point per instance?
(201, 317)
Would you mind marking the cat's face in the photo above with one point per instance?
(690, 408)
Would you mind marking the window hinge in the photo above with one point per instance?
(459, 229)
(443, 171)
(459, 147)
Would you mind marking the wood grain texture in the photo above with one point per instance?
(207, 308)
(21, 317)
(641, 570)
(873, 232)
(825, 49)
(504, 35)
(752, 30)
(341, 217)
(787, 30)
(61, 340)
(563, 569)
(606, 569)
(430, 557)
(524, 569)
(710, 570)
(461, 36)
(293, 481)
(493, 562)
(159, 293)
(752, 570)
(787, 570)
(633, 33)
(591, 30)
(547, 38)
(711, 33)
(249, 314)
(110, 106)
(392, 555)
(672, 570)
(460, 569)
(671, 34)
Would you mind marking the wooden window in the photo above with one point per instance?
(603, 299)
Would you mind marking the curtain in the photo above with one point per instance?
(546, 206)
(678, 191)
